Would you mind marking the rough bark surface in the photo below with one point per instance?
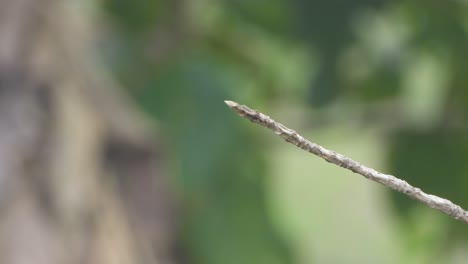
(390, 181)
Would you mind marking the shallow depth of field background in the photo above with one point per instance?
(383, 82)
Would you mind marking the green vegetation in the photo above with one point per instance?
(382, 81)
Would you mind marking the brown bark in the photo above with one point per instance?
(81, 175)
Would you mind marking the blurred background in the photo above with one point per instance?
(116, 146)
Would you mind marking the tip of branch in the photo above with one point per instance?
(231, 104)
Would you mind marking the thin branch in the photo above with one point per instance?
(396, 184)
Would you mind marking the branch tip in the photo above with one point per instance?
(231, 104)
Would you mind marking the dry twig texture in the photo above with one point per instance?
(391, 181)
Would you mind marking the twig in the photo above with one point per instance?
(402, 186)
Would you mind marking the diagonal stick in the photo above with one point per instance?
(391, 181)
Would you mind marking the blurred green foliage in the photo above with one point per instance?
(402, 63)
